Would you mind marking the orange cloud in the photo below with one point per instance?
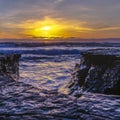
(51, 27)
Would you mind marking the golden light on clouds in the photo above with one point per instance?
(44, 28)
(50, 28)
(60, 18)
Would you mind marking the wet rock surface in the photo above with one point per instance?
(20, 101)
(98, 72)
(9, 65)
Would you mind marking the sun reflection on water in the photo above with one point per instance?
(47, 74)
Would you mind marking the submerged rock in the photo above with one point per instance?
(98, 72)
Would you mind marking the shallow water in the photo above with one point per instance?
(50, 72)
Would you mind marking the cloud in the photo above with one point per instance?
(58, 1)
(90, 15)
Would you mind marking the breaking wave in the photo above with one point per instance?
(41, 51)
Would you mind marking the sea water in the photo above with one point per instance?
(47, 67)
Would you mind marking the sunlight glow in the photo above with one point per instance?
(46, 28)
(54, 28)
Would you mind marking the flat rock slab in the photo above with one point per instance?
(20, 101)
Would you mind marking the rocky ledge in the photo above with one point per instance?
(98, 72)
(9, 65)
(19, 101)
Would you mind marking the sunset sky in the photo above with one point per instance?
(60, 18)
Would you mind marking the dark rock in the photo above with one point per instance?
(9, 65)
(98, 72)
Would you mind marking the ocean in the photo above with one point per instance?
(49, 65)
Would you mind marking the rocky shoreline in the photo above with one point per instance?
(98, 72)
(21, 101)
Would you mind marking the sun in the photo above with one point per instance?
(46, 28)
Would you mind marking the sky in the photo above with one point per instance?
(59, 18)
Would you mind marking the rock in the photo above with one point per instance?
(9, 65)
(20, 101)
(98, 72)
